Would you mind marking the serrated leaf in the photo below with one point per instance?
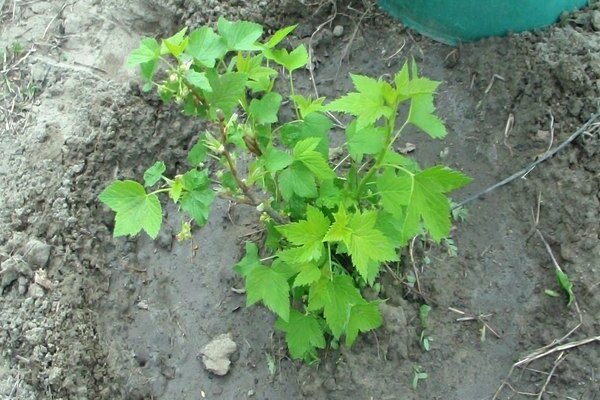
(198, 80)
(329, 194)
(421, 115)
(174, 44)
(429, 204)
(228, 90)
(265, 110)
(154, 173)
(309, 273)
(303, 334)
(135, 210)
(197, 153)
(250, 260)
(367, 243)
(336, 297)
(368, 140)
(276, 160)
(417, 86)
(195, 180)
(339, 231)
(240, 35)
(566, 285)
(307, 234)
(304, 152)
(176, 190)
(395, 191)
(197, 204)
(307, 106)
(286, 269)
(367, 105)
(279, 36)
(313, 125)
(363, 318)
(205, 46)
(148, 51)
(291, 61)
(297, 180)
(270, 287)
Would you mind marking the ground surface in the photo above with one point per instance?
(84, 316)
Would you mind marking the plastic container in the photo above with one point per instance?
(454, 21)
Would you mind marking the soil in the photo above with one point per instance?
(86, 316)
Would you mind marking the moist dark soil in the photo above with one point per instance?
(87, 316)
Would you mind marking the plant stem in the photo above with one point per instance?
(380, 157)
(164, 190)
(245, 189)
(293, 94)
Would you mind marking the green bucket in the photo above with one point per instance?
(455, 21)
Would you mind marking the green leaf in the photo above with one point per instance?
(154, 173)
(336, 297)
(198, 80)
(303, 334)
(270, 287)
(205, 46)
(197, 204)
(329, 194)
(174, 44)
(566, 285)
(421, 115)
(307, 106)
(309, 273)
(551, 293)
(249, 262)
(307, 234)
(368, 140)
(147, 52)
(276, 160)
(304, 152)
(367, 243)
(176, 190)
(363, 318)
(297, 180)
(228, 90)
(135, 210)
(313, 125)
(367, 105)
(265, 110)
(240, 35)
(428, 203)
(290, 61)
(197, 153)
(197, 199)
(279, 36)
(395, 191)
(339, 230)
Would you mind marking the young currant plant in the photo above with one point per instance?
(328, 229)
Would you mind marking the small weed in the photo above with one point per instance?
(424, 338)
(418, 375)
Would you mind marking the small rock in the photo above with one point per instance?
(250, 393)
(36, 291)
(37, 253)
(215, 355)
(35, 335)
(12, 268)
(23, 282)
(596, 20)
(338, 30)
(165, 237)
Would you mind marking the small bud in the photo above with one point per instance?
(220, 115)
(261, 207)
(220, 149)
(173, 77)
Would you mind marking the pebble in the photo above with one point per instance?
(338, 30)
(37, 253)
(215, 355)
(596, 20)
